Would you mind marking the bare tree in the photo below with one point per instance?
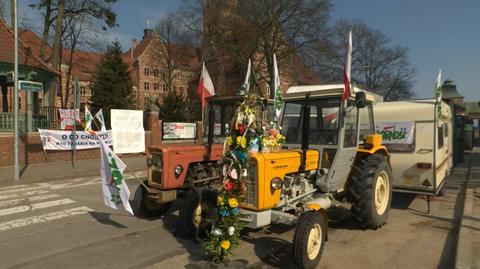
(235, 31)
(3, 9)
(54, 13)
(376, 64)
(170, 49)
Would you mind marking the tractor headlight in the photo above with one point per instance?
(276, 183)
(178, 170)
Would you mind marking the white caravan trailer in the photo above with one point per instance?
(421, 147)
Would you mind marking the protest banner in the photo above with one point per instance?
(68, 118)
(127, 131)
(179, 130)
(64, 140)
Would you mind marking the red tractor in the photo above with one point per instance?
(178, 169)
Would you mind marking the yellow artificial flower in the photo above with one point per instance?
(229, 140)
(225, 244)
(242, 141)
(220, 200)
(233, 202)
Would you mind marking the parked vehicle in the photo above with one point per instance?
(177, 168)
(324, 159)
(420, 142)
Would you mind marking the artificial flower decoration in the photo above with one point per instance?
(237, 145)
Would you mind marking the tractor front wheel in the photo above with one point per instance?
(145, 207)
(196, 218)
(309, 239)
(371, 191)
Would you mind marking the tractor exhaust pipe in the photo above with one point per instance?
(305, 132)
(211, 128)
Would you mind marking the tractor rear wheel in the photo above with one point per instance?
(145, 207)
(370, 191)
(194, 216)
(309, 239)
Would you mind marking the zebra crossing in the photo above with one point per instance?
(24, 205)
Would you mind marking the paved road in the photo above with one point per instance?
(64, 224)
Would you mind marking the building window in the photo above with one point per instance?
(146, 71)
(155, 73)
(164, 88)
(146, 86)
(155, 86)
(82, 90)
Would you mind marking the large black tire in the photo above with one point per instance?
(144, 207)
(192, 217)
(309, 239)
(370, 191)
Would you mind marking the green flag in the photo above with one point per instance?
(278, 91)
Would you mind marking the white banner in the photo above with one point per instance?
(127, 131)
(179, 130)
(63, 140)
(396, 132)
(68, 117)
(115, 190)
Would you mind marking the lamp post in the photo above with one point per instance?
(15, 29)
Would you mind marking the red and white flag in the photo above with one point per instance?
(347, 70)
(205, 87)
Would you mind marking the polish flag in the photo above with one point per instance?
(348, 67)
(205, 87)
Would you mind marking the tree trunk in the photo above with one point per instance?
(46, 28)
(12, 12)
(56, 48)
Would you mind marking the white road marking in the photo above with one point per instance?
(4, 226)
(28, 199)
(36, 206)
(9, 196)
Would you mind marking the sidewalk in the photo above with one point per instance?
(468, 247)
(64, 169)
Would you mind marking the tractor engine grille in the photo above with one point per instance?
(252, 188)
(157, 167)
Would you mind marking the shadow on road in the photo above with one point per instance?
(104, 218)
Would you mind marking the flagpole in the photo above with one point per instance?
(75, 93)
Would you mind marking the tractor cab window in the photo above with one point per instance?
(366, 123)
(350, 126)
(224, 113)
(323, 121)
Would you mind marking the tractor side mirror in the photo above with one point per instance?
(360, 99)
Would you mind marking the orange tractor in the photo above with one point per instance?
(176, 169)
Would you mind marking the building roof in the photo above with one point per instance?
(304, 73)
(84, 63)
(26, 55)
(34, 41)
(191, 59)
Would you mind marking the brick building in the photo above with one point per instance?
(149, 68)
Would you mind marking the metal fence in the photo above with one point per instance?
(45, 118)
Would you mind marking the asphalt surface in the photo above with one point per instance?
(64, 224)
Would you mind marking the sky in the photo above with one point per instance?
(440, 34)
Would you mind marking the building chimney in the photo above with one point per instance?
(134, 45)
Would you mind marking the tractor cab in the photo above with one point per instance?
(335, 129)
(224, 109)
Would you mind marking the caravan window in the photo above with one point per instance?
(440, 136)
(446, 130)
